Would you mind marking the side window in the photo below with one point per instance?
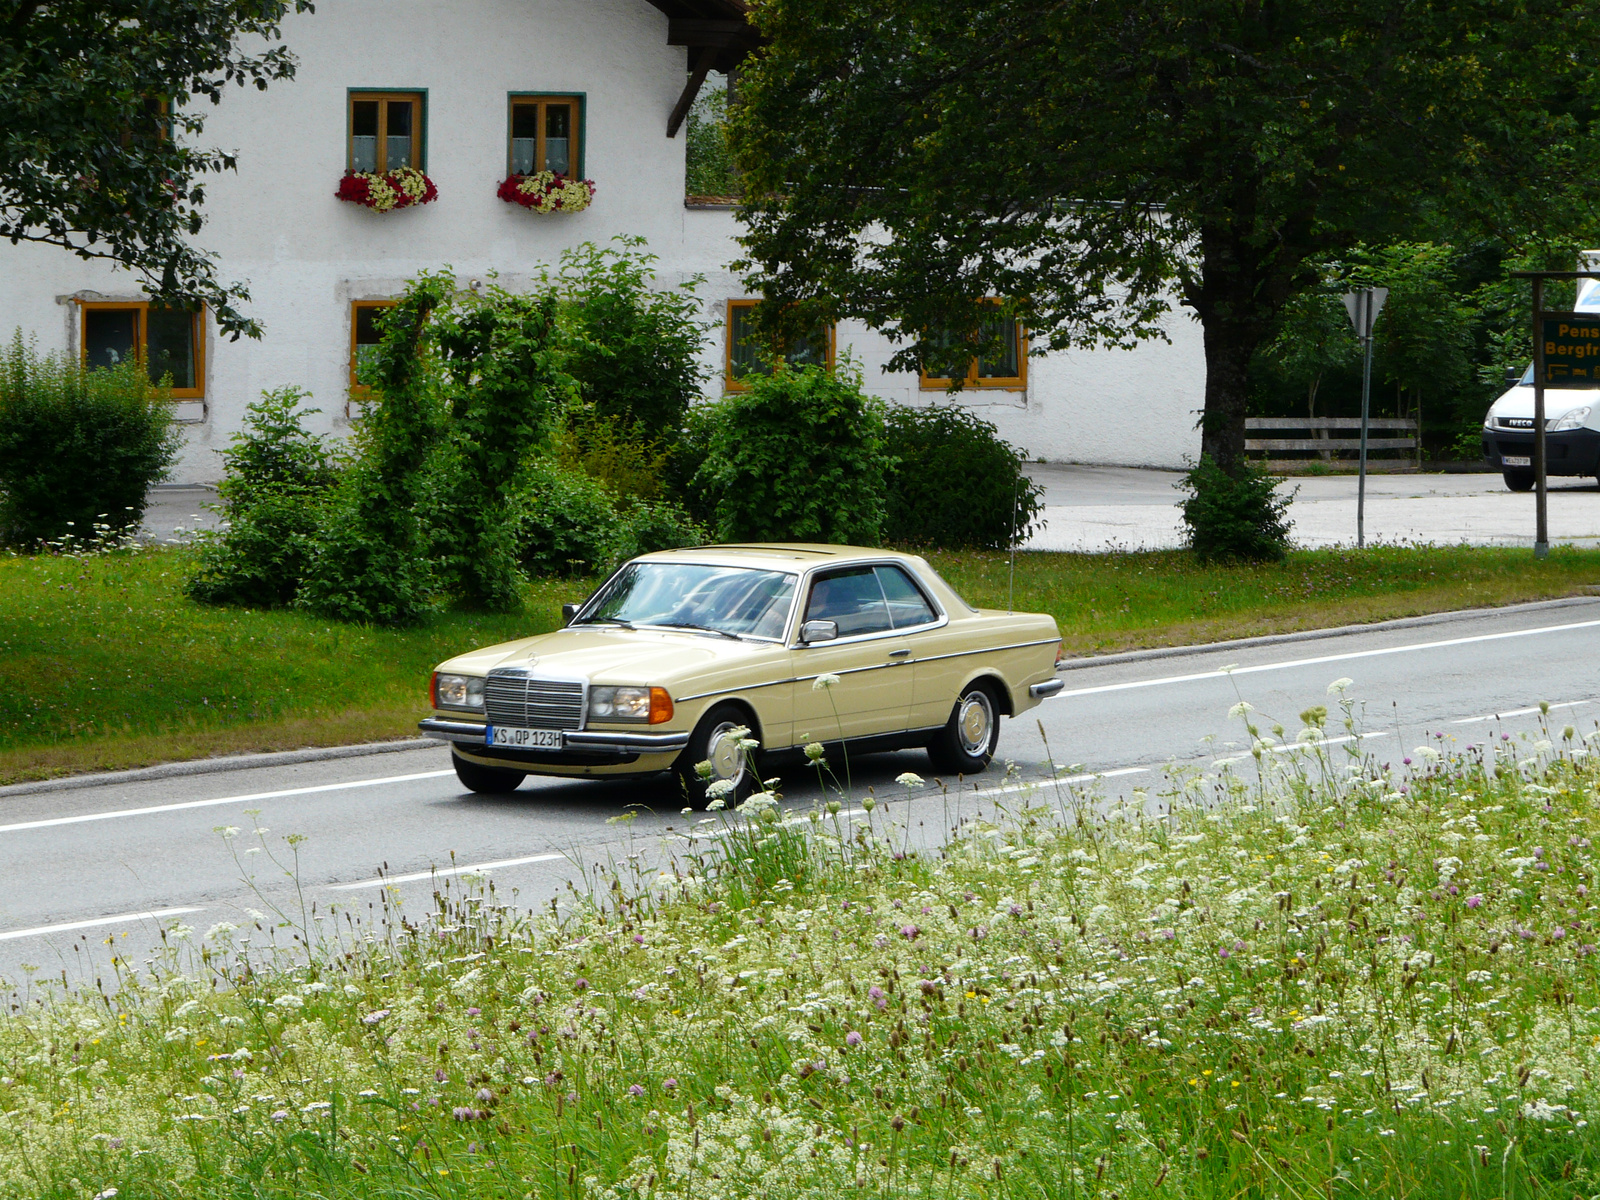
(813, 348)
(545, 135)
(908, 607)
(167, 341)
(852, 599)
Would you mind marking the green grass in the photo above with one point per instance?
(1105, 602)
(1319, 982)
(104, 664)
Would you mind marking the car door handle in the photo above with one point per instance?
(899, 654)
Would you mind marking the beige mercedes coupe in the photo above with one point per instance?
(680, 653)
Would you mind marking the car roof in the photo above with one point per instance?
(785, 556)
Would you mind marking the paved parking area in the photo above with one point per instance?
(173, 509)
(1106, 508)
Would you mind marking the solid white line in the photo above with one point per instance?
(1324, 658)
(67, 927)
(1043, 783)
(161, 808)
(385, 880)
(1517, 712)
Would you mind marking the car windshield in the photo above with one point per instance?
(740, 601)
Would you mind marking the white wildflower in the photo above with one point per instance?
(1337, 687)
(823, 682)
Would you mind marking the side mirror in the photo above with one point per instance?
(1512, 376)
(568, 611)
(819, 631)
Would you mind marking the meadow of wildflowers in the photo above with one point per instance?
(1308, 973)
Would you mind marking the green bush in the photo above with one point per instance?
(567, 523)
(79, 449)
(277, 479)
(798, 458)
(956, 485)
(633, 349)
(630, 463)
(1238, 517)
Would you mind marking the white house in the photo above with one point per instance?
(467, 91)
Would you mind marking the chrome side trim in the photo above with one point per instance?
(1048, 688)
(989, 650)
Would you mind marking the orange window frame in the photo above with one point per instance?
(733, 383)
(142, 308)
(358, 390)
(1017, 382)
(381, 151)
(543, 103)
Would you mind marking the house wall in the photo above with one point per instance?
(305, 256)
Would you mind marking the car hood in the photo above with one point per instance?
(614, 655)
(1518, 402)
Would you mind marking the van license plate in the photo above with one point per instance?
(1515, 460)
(525, 739)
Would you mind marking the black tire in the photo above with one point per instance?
(488, 781)
(1519, 481)
(966, 743)
(713, 741)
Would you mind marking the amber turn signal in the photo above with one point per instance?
(660, 706)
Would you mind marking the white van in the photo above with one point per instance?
(1571, 422)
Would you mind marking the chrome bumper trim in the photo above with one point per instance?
(1048, 688)
(473, 732)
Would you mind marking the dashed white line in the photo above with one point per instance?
(476, 869)
(1518, 712)
(115, 814)
(154, 914)
(1324, 658)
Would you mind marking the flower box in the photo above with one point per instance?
(400, 188)
(548, 192)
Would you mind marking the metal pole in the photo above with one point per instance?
(1541, 537)
(1366, 404)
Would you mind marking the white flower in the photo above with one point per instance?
(814, 750)
(1427, 753)
(718, 787)
(909, 779)
(1239, 709)
(1337, 687)
(823, 682)
(717, 805)
(221, 929)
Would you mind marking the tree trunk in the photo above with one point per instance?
(1234, 305)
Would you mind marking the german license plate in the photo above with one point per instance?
(1515, 460)
(524, 739)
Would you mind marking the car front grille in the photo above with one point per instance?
(514, 698)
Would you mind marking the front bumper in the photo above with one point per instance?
(471, 734)
(1570, 452)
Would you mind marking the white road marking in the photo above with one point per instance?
(1043, 783)
(162, 808)
(69, 926)
(476, 869)
(1324, 658)
(1518, 712)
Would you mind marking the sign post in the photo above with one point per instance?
(1566, 354)
(1364, 307)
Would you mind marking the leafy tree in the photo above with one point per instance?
(635, 348)
(97, 150)
(1083, 161)
(1313, 338)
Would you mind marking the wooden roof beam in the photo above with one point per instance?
(691, 90)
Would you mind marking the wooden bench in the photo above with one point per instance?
(1316, 434)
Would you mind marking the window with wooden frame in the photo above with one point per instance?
(365, 336)
(385, 131)
(1006, 369)
(546, 134)
(170, 342)
(747, 355)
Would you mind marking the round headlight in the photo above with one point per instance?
(602, 701)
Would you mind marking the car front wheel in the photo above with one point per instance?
(716, 741)
(966, 743)
(489, 781)
(1519, 481)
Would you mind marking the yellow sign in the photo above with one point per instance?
(1571, 350)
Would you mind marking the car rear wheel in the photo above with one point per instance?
(966, 743)
(716, 741)
(489, 781)
(1519, 481)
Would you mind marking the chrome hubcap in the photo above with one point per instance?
(975, 721)
(723, 753)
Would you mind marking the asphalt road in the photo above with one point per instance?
(85, 869)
